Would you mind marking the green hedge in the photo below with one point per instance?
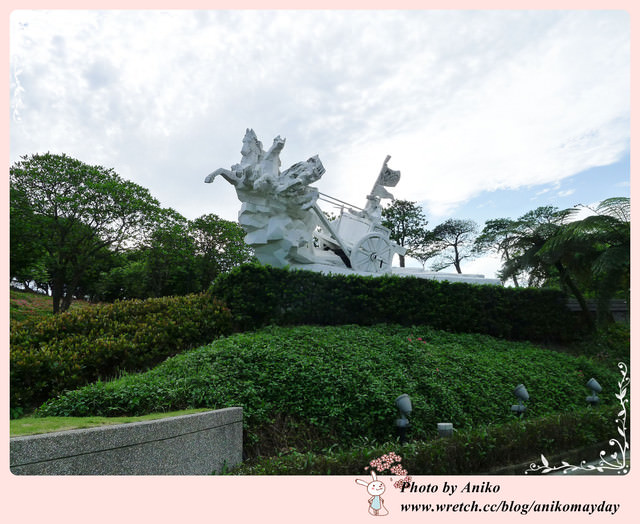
(74, 348)
(260, 295)
(467, 452)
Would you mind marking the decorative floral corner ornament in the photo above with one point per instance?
(616, 461)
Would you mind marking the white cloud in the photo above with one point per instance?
(463, 101)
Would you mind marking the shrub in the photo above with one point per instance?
(467, 452)
(260, 295)
(610, 342)
(312, 387)
(77, 347)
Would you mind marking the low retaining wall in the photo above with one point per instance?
(196, 444)
(618, 308)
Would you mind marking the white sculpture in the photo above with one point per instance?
(284, 224)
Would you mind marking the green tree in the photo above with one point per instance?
(597, 249)
(219, 246)
(76, 211)
(498, 236)
(586, 256)
(407, 225)
(529, 233)
(453, 240)
(170, 258)
(180, 257)
(426, 248)
(26, 250)
(127, 279)
(89, 285)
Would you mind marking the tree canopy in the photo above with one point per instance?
(453, 241)
(73, 212)
(407, 225)
(219, 244)
(587, 257)
(499, 236)
(179, 257)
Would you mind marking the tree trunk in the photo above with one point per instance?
(68, 294)
(66, 301)
(564, 277)
(56, 294)
(401, 257)
(513, 277)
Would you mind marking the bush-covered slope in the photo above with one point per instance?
(75, 348)
(313, 387)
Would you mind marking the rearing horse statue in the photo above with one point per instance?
(275, 204)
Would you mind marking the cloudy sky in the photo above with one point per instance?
(487, 114)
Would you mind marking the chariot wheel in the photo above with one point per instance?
(372, 253)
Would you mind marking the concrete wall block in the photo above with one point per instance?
(196, 444)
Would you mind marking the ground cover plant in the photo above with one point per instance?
(311, 388)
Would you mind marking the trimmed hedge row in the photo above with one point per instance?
(467, 452)
(261, 295)
(75, 348)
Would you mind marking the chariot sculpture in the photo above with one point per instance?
(286, 227)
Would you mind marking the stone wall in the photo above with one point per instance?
(196, 444)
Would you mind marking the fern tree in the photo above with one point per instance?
(585, 256)
(527, 235)
(599, 246)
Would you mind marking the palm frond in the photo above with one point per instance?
(616, 207)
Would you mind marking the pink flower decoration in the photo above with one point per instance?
(398, 484)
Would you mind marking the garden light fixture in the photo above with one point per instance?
(522, 395)
(403, 403)
(595, 388)
(445, 429)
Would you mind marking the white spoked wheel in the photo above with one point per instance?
(372, 253)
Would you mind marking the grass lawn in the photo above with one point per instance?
(35, 425)
(26, 305)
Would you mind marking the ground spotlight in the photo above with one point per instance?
(595, 388)
(522, 395)
(403, 403)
